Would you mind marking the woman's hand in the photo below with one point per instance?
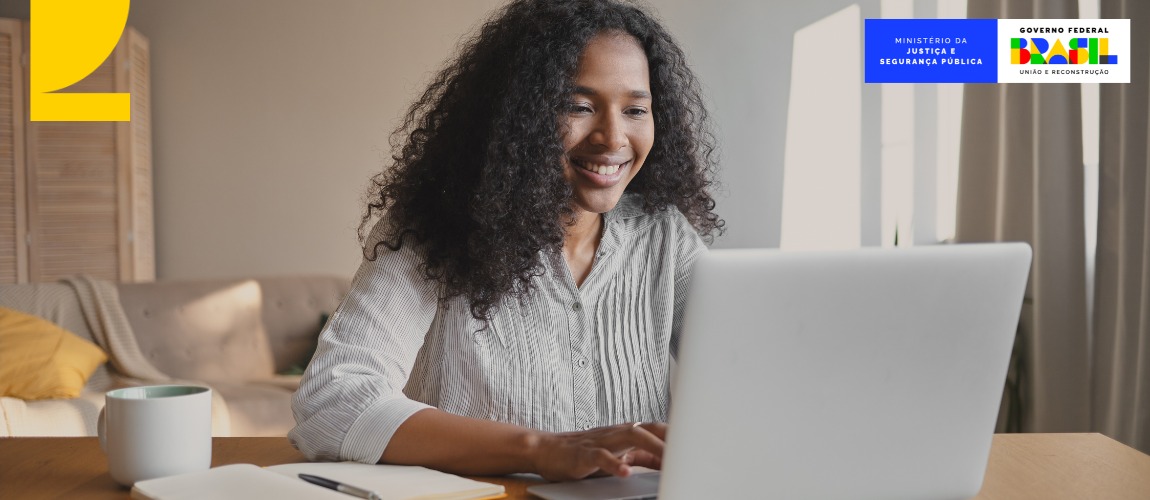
(475, 447)
(610, 450)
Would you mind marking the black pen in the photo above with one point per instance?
(340, 487)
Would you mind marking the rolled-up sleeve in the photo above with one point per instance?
(351, 400)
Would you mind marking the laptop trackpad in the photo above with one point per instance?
(637, 487)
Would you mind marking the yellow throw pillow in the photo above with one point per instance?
(41, 360)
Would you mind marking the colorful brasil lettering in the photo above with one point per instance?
(1040, 51)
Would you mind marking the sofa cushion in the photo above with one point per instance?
(258, 409)
(51, 417)
(201, 330)
(41, 360)
(294, 311)
(55, 302)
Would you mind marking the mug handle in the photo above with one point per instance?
(101, 430)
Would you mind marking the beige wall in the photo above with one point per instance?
(271, 115)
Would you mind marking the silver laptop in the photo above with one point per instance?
(854, 374)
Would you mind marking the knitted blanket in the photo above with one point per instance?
(100, 306)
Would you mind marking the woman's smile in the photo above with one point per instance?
(603, 173)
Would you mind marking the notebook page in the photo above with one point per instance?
(228, 482)
(396, 482)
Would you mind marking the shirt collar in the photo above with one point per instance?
(630, 206)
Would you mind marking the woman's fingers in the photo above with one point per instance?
(638, 437)
(635, 444)
(659, 429)
(611, 464)
(607, 450)
(641, 458)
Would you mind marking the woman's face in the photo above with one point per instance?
(610, 129)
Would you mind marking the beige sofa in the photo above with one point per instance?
(234, 336)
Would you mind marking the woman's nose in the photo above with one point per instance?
(609, 133)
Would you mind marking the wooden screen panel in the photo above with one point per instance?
(137, 258)
(13, 250)
(72, 193)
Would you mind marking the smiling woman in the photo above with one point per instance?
(521, 292)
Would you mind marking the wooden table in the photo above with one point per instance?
(1022, 466)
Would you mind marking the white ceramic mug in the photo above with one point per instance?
(156, 431)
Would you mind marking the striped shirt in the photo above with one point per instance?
(563, 359)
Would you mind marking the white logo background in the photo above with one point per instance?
(1119, 45)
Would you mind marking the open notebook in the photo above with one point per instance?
(391, 482)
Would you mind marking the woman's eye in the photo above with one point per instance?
(578, 108)
(637, 112)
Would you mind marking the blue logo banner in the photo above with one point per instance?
(930, 51)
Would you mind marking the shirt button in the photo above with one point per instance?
(586, 427)
(582, 362)
(481, 338)
(577, 307)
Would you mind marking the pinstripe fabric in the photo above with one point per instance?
(566, 358)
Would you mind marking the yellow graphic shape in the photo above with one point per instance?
(1058, 50)
(69, 40)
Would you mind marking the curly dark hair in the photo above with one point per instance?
(477, 184)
